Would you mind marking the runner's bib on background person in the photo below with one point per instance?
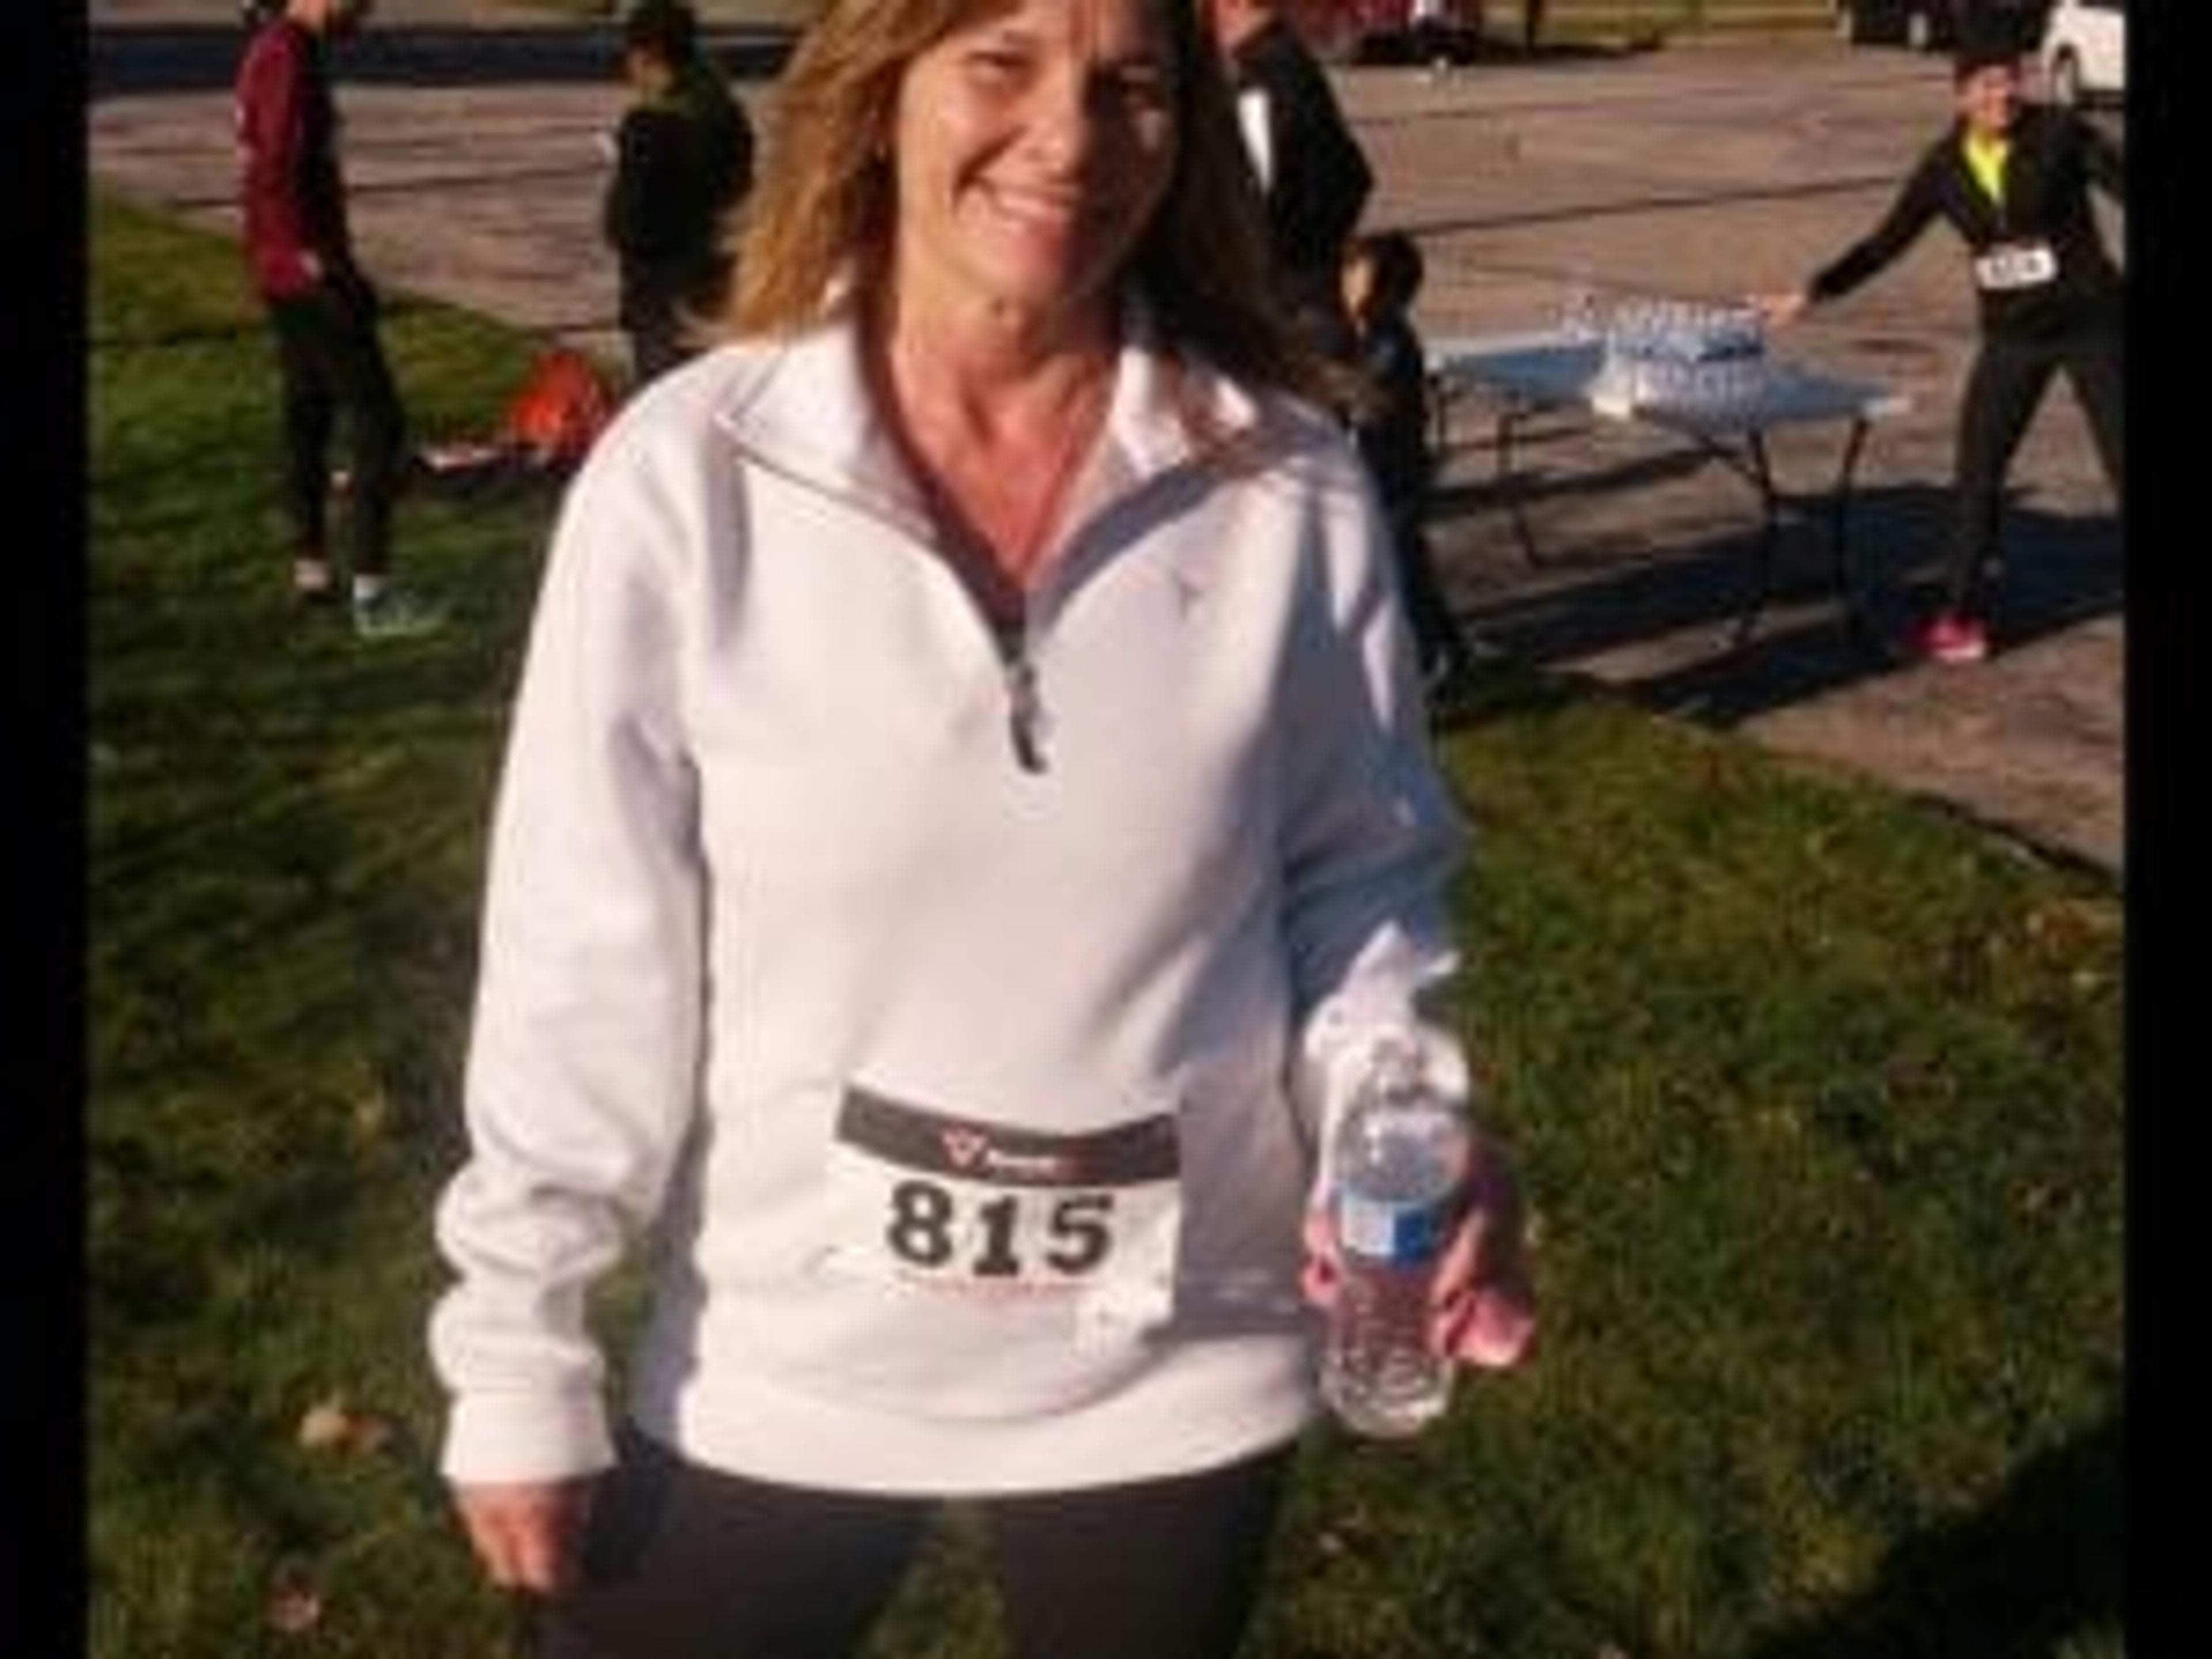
(984, 1211)
(2012, 265)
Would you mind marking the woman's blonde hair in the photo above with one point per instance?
(821, 212)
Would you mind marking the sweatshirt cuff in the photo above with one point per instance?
(509, 1437)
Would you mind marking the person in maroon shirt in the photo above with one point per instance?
(322, 312)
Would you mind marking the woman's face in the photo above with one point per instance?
(1031, 148)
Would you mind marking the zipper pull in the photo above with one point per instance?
(1026, 723)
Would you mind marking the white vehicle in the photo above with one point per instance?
(2084, 53)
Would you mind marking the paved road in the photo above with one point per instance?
(1699, 170)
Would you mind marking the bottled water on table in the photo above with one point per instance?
(1680, 352)
(1401, 1159)
(1580, 321)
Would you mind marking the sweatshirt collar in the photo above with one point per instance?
(805, 409)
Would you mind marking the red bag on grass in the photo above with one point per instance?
(563, 405)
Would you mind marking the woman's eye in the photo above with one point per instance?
(996, 63)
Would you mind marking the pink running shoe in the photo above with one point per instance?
(1952, 638)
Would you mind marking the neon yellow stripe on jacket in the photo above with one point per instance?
(1986, 160)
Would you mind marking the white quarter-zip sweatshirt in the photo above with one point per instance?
(956, 1020)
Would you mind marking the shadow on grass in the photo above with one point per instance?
(2016, 1579)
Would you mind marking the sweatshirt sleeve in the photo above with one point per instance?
(585, 1049)
(1372, 835)
(1914, 209)
(271, 116)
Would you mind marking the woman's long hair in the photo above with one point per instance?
(821, 212)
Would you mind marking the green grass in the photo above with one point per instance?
(1819, 1094)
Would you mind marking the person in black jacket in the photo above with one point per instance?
(2013, 179)
(684, 161)
(1382, 275)
(1314, 179)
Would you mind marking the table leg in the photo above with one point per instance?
(1761, 474)
(1509, 485)
(1839, 517)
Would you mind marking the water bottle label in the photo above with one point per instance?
(1393, 1234)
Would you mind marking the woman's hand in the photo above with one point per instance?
(1482, 1305)
(529, 1536)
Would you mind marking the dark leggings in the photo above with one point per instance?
(1438, 641)
(687, 1562)
(329, 361)
(2003, 390)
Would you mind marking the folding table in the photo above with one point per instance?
(1530, 373)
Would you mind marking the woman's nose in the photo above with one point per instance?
(1065, 115)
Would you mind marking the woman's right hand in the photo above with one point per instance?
(1779, 310)
(528, 1536)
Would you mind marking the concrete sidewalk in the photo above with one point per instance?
(473, 129)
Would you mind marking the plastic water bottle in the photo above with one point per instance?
(1401, 1159)
(1580, 321)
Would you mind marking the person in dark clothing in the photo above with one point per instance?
(1313, 176)
(1382, 275)
(322, 312)
(684, 161)
(2014, 179)
(1532, 24)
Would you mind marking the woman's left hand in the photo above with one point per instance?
(1482, 1306)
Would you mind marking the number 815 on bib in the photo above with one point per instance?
(917, 1195)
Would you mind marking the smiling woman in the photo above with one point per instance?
(1031, 152)
(968, 820)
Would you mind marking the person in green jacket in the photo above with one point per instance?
(684, 162)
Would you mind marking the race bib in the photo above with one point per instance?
(2014, 266)
(981, 1210)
